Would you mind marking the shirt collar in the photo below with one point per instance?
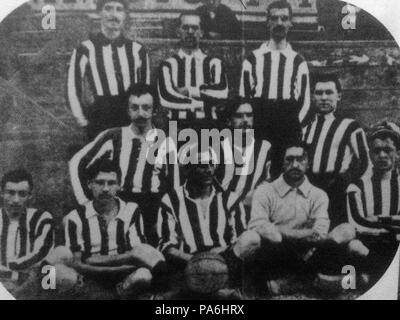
(186, 193)
(91, 212)
(104, 41)
(282, 188)
(265, 47)
(198, 54)
(151, 136)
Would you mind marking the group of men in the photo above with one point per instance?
(299, 196)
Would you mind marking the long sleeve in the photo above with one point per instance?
(261, 208)
(320, 214)
(239, 220)
(102, 145)
(303, 87)
(41, 242)
(218, 86)
(247, 79)
(144, 71)
(135, 235)
(76, 73)
(356, 213)
(169, 96)
(73, 233)
(360, 150)
(167, 229)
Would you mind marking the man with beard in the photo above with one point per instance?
(192, 85)
(277, 78)
(338, 146)
(102, 69)
(373, 204)
(247, 160)
(26, 235)
(145, 156)
(291, 217)
(218, 21)
(105, 243)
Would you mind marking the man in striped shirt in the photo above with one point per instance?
(26, 234)
(338, 147)
(145, 156)
(106, 239)
(277, 78)
(247, 159)
(102, 69)
(191, 84)
(373, 203)
(197, 217)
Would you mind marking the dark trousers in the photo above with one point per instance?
(277, 121)
(149, 203)
(106, 113)
(335, 186)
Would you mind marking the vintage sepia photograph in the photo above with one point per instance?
(198, 150)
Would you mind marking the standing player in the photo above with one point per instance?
(105, 242)
(26, 234)
(144, 179)
(102, 69)
(277, 78)
(373, 203)
(192, 84)
(338, 147)
(247, 160)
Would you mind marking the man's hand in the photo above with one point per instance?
(269, 232)
(183, 91)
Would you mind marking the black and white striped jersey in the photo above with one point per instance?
(111, 67)
(27, 241)
(277, 75)
(147, 165)
(202, 75)
(184, 224)
(87, 232)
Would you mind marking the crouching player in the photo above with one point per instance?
(200, 218)
(26, 236)
(105, 247)
(291, 217)
(373, 205)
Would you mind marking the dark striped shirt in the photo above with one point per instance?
(373, 196)
(250, 168)
(25, 242)
(146, 165)
(276, 75)
(87, 232)
(183, 225)
(201, 75)
(336, 146)
(110, 68)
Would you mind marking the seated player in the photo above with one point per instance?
(26, 234)
(104, 240)
(198, 217)
(291, 217)
(373, 204)
(247, 159)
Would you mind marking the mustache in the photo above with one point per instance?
(279, 28)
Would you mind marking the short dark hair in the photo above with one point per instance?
(234, 104)
(383, 131)
(297, 144)
(18, 175)
(326, 77)
(280, 4)
(102, 165)
(140, 89)
(101, 3)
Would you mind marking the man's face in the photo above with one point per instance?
(295, 164)
(212, 4)
(203, 172)
(113, 15)
(190, 32)
(15, 197)
(279, 23)
(243, 118)
(104, 186)
(140, 110)
(384, 154)
(326, 97)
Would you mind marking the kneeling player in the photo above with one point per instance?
(374, 205)
(26, 235)
(106, 239)
(199, 217)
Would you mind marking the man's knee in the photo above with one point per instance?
(136, 282)
(66, 278)
(248, 243)
(343, 234)
(59, 255)
(146, 253)
(269, 233)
